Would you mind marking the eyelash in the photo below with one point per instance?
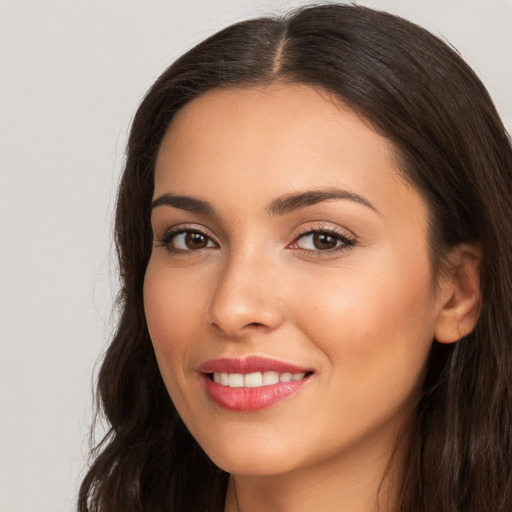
(345, 243)
(169, 236)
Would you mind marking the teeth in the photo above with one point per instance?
(235, 380)
(254, 380)
(270, 378)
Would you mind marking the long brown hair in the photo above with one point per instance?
(450, 144)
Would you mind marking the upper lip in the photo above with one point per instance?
(250, 364)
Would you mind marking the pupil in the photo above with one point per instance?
(195, 241)
(323, 241)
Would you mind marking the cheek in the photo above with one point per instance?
(375, 329)
(360, 305)
(172, 305)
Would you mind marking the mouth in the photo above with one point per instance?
(255, 379)
(251, 384)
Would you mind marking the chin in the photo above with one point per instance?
(255, 466)
(240, 457)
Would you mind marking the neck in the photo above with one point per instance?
(362, 481)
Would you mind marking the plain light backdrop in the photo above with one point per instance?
(71, 76)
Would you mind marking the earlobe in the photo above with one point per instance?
(460, 294)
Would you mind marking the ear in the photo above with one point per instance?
(459, 294)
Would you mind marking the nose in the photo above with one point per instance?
(246, 297)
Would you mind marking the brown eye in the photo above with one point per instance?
(324, 241)
(195, 240)
(318, 241)
(186, 241)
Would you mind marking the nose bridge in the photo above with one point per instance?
(245, 294)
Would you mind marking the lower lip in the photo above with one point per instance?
(250, 399)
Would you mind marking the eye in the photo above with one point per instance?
(322, 240)
(186, 241)
(190, 240)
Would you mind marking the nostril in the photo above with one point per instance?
(238, 318)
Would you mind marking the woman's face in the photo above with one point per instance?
(289, 295)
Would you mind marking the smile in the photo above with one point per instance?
(255, 380)
(251, 384)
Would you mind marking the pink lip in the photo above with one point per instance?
(249, 399)
(249, 365)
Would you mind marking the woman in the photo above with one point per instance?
(314, 234)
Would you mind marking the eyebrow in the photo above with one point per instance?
(188, 203)
(293, 202)
(279, 206)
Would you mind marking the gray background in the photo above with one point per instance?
(71, 75)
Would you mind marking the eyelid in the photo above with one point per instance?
(320, 225)
(173, 231)
(347, 238)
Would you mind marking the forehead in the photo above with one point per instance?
(272, 115)
(255, 143)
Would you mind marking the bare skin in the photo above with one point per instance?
(338, 281)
